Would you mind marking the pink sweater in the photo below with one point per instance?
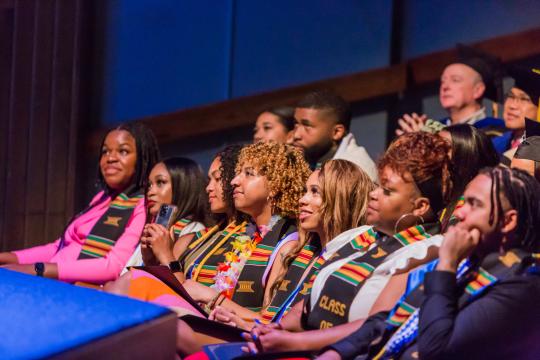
(98, 270)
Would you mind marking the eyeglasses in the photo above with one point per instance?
(519, 99)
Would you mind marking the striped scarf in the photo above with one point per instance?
(204, 268)
(110, 226)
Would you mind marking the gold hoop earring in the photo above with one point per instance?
(404, 216)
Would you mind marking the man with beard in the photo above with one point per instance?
(322, 121)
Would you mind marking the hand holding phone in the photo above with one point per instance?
(166, 215)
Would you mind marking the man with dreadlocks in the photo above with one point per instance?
(481, 299)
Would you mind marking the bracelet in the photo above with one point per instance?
(220, 301)
(212, 303)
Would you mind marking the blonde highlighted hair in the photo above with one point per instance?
(285, 170)
(345, 191)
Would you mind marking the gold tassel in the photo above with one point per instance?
(495, 109)
(537, 72)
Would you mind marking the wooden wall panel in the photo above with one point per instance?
(366, 85)
(40, 68)
(6, 42)
(60, 117)
(38, 137)
(19, 121)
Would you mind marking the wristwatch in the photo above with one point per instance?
(175, 266)
(39, 268)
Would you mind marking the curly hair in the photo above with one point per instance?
(285, 169)
(422, 158)
(228, 158)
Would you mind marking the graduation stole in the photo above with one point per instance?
(204, 268)
(111, 225)
(177, 227)
(333, 305)
(249, 289)
(402, 322)
(359, 243)
(189, 256)
(452, 220)
(296, 281)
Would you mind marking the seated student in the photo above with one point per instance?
(239, 271)
(464, 84)
(269, 181)
(174, 181)
(481, 299)
(322, 132)
(335, 201)
(98, 242)
(472, 151)
(520, 102)
(275, 124)
(369, 272)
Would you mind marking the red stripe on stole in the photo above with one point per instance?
(263, 253)
(401, 315)
(207, 276)
(352, 268)
(476, 284)
(415, 237)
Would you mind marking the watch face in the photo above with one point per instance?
(175, 266)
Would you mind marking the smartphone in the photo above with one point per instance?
(166, 215)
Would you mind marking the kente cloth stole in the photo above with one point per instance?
(340, 289)
(402, 322)
(177, 227)
(249, 289)
(295, 282)
(204, 268)
(196, 247)
(360, 243)
(285, 299)
(110, 226)
(229, 270)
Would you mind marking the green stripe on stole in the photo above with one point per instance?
(111, 225)
(100, 239)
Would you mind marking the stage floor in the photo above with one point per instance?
(42, 318)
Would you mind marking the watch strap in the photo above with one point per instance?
(39, 268)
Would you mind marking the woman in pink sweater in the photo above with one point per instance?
(97, 242)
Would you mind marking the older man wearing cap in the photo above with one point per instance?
(464, 84)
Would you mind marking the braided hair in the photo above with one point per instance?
(522, 191)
